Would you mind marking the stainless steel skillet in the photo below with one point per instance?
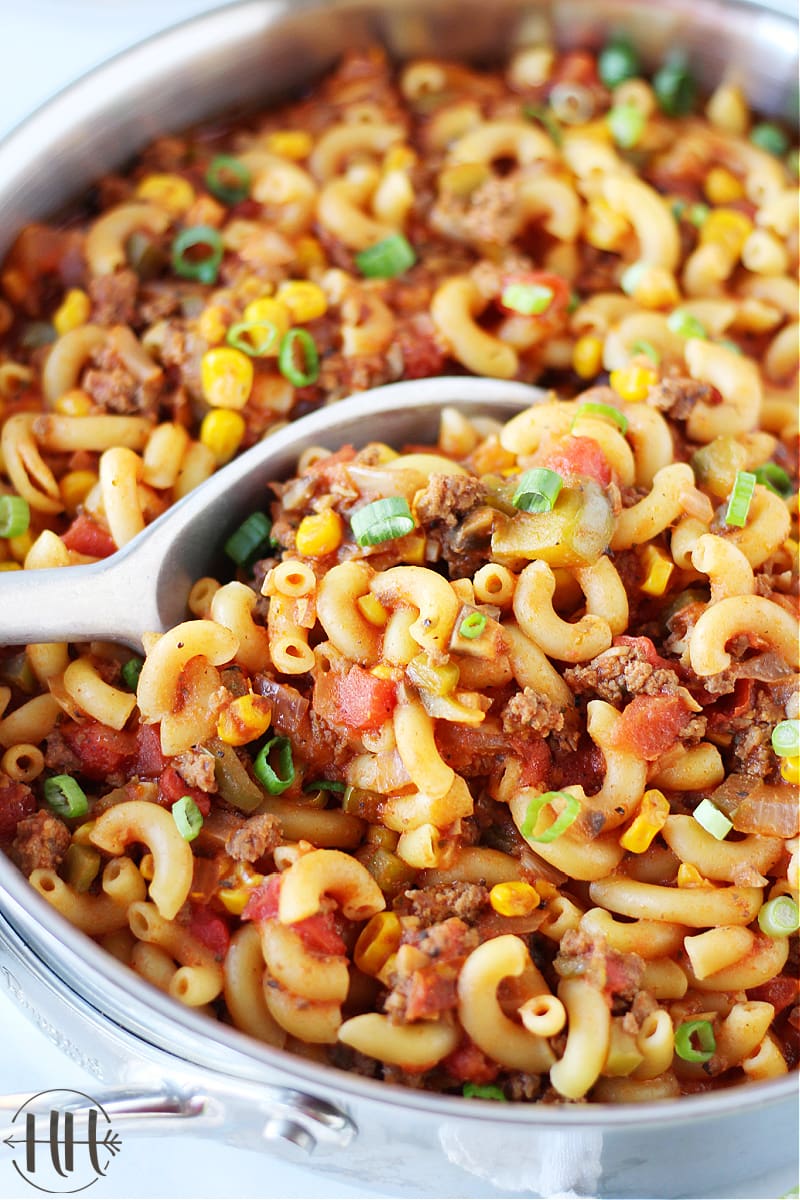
(144, 586)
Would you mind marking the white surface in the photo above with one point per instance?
(46, 44)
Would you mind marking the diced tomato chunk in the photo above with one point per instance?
(576, 456)
(102, 751)
(85, 536)
(645, 647)
(319, 934)
(263, 902)
(150, 762)
(210, 929)
(650, 725)
(171, 787)
(355, 698)
(469, 1064)
(433, 991)
(17, 801)
(780, 992)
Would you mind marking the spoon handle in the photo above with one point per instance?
(98, 602)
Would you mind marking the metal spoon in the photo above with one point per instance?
(144, 586)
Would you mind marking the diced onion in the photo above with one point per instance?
(712, 820)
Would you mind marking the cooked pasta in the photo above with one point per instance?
(478, 768)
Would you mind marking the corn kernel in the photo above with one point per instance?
(321, 533)
(309, 253)
(379, 939)
(722, 186)
(83, 833)
(211, 325)
(244, 720)
(657, 288)
(74, 403)
(10, 566)
(653, 812)
(728, 227)
(514, 899)
(273, 312)
(399, 158)
(604, 228)
(632, 383)
(226, 376)
(790, 770)
(690, 877)
(246, 876)
(72, 312)
(372, 610)
(305, 300)
(290, 143)
(383, 671)
(659, 568)
(587, 356)
(172, 192)
(234, 899)
(20, 545)
(222, 432)
(75, 487)
(414, 552)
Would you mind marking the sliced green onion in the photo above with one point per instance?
(249, 538)
(483, 1091)
(698, 214)
(228, 179)
(771, 138)
(15, 516)
(678, 208)
(729, 344)
(712, 820)
(779, 917)
(65, 796)
(616, 62)
(642, 346)
(472, 626)
(561, 823)
(272, 781)
(674, 87)
(626, 122)
(204, 268)
(590, 409)
(131, 671)
(632, 276)
(386, 259)
(381, 521)
(187, 817)
(704, 1032)
(538, 112)
(252, 337)
(537, 490)
(324, 785)
(786, 739)
(286, 358)
(775, 478)
(530, 299)
(685, 325)
(740, 498)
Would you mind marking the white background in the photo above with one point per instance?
(45, 45)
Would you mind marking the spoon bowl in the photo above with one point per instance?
(144, 586)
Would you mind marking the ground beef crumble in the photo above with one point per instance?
(434, 904)
(41, 842)
(258, 836)
(530, 710)
(619, 674)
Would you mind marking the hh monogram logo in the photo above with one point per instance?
(59, 1151)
